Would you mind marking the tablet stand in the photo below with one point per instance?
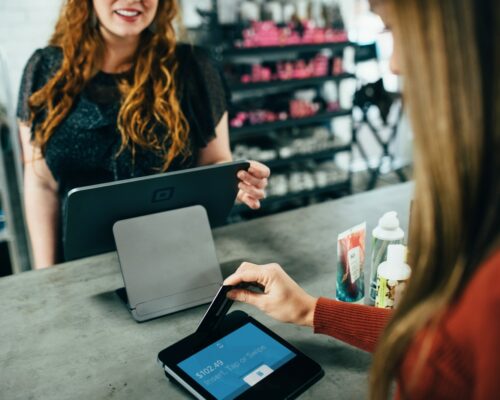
(168, 262)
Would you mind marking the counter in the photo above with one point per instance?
(64, 334)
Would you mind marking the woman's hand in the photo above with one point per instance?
(253, 183)
(281, 299)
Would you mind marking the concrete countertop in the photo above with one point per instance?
(64, 334)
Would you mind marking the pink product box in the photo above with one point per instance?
(256, 117)
(303, 109)
(338, 66)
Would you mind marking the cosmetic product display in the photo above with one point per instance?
(319, 66)
(284, 64)
(350, 265)
(246, 152)
(315, 140)
(392, 276)
(268, 33)
(387, 232)
(310, 178)
(297, 108)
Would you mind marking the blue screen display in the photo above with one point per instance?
(236, 362)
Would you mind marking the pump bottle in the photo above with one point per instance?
(392, 276)
(387, 232)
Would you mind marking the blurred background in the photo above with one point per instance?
(311, 95)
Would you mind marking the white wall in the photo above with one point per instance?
(25, 25)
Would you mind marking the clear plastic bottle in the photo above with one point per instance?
(392, 276)
(386, 233)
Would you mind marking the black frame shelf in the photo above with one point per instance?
(281, 162)
(248, 132)
(289, 84)
(265, 50)
(337, 187)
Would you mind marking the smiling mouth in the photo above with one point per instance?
(128, 13)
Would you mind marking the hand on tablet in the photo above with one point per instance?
(253, 183)
(282, 298)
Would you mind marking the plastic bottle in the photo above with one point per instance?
(392, 276)
(387, 232)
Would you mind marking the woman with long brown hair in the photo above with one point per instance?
(442, 342)
(112, 97)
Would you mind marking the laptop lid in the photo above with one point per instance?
(92, 210)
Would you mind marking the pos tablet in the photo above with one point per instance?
(238, 358)
(92, 210)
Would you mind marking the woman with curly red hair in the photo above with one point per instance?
(112, 97)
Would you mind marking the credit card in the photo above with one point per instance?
(217, 310)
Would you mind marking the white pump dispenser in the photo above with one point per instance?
(392, 276)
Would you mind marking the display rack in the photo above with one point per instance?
(268, 129)
(286, 85)
(252, 131)
(226, 53)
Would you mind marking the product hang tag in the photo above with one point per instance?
(354, 260)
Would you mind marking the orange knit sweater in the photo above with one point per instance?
(464, 359)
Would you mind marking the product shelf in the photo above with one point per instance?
(280, 162)
(286, 85)
(251, 131)
(235, 52)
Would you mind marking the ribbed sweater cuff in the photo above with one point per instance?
(355, 324)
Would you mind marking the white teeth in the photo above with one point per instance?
(127, 13)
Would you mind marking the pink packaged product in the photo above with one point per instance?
(350, 264)
(256, 117)
(286, 70)
(267, 33)
(338, 66)
(303, 109)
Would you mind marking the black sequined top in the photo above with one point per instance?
(82, 150)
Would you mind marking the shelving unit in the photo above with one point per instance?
(286, 85)
(235, 52)
(281, 131)
(252, 131)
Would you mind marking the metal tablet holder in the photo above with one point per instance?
(168, 262)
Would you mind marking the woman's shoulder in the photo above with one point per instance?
(46, 59)
(41, 66)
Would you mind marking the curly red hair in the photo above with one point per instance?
(150, 103)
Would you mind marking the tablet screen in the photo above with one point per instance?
(236, 362)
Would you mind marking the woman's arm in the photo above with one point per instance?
(41, 202)
(284, 300)
(252, 182)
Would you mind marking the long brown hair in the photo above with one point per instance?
(449, 61)
(149, 103)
